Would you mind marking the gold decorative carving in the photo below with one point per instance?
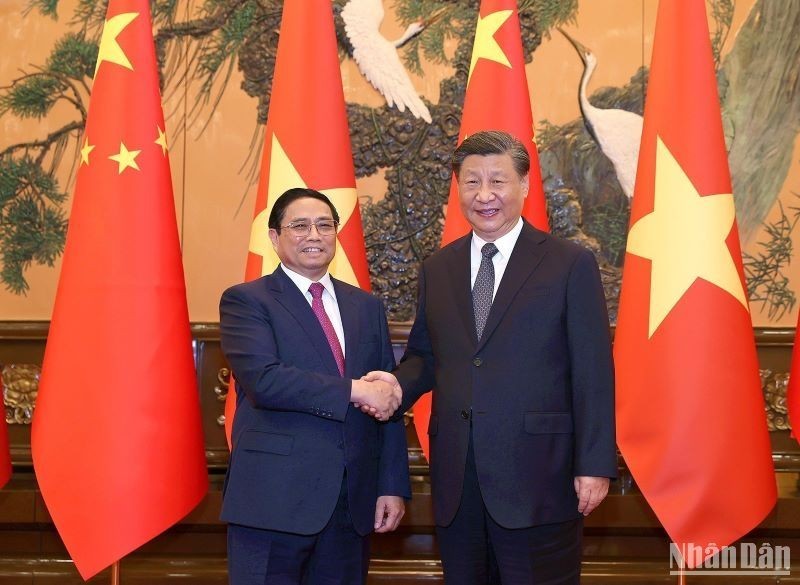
(20, 388)
(774, 388)
(221, 390)
(223, 383)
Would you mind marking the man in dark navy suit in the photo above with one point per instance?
(512, 333)
(310, 474)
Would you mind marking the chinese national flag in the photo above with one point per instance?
(117, 440)
(690, 413)
(307, 144)
(497, 98)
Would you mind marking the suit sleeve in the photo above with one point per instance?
(592, 370)
(393, 475)
(249, 343)
(416, 371)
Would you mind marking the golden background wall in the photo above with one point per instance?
(215, 159)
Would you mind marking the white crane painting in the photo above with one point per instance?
(377, 57)
(617, 132)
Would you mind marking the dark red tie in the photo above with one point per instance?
(316, 289)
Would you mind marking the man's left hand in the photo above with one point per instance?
(388, 512)
(591, 491)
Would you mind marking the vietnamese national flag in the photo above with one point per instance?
(307, 144)
(690, 412)
(497, 98)
(117, 441)
(5, 453)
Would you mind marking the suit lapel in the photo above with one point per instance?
(296, 303)
(526, 256)
(348, 309)
(459, 267)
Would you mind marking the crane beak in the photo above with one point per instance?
(434, 17)
(581, 50)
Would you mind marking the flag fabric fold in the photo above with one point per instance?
(497, 98)
(117, 440)
(690, 413)
(307, 144)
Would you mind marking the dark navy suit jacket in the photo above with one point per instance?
(537, 389)
(295, 431)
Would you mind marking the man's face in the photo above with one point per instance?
(308, 255)
(491, 194)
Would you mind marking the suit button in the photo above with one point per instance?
(465, 415)
(477, 362)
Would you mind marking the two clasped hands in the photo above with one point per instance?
(377, 394)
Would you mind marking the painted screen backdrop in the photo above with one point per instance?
(213, 160)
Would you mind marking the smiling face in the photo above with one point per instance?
(307, 255)
(491, 194)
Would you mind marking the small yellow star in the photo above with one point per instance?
(86, 150)
(126, 158)
(162, 141)
(685, 239)
(109, 47)
(486, 47)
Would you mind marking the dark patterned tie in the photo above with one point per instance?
(316, 289)
(483, 290)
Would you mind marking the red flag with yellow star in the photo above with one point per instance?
(307, 144)
(497, 98)
(690, 413)
(117, 440)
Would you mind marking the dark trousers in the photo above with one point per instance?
(336, 556)
(477, 551)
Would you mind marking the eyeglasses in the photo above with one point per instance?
(326, 227)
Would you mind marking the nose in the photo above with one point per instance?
(484, 194)
(313, 233)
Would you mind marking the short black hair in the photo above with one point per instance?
(290, 196)
(492, 142)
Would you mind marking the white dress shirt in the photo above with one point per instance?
(328, 299)
(505, 245)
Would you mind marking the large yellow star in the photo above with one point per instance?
(162, 140)
(126, 158)
(486, 47)
(684, 237)
(86, 150)
(282, 176)
(109, 47)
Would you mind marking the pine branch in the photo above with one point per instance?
(45, 143)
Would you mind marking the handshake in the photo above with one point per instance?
(377, 394)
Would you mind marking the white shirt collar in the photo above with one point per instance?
(303, 282)
(505, 244)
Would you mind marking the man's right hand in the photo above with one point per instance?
(376, 397)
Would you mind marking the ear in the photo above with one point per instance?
(273, 237)
(526, 183)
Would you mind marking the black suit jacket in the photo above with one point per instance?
(295, 431)
(537, 389)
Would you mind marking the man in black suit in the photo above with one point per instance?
(512, 333)
(310, 475)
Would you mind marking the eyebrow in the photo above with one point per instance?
(318, 218)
